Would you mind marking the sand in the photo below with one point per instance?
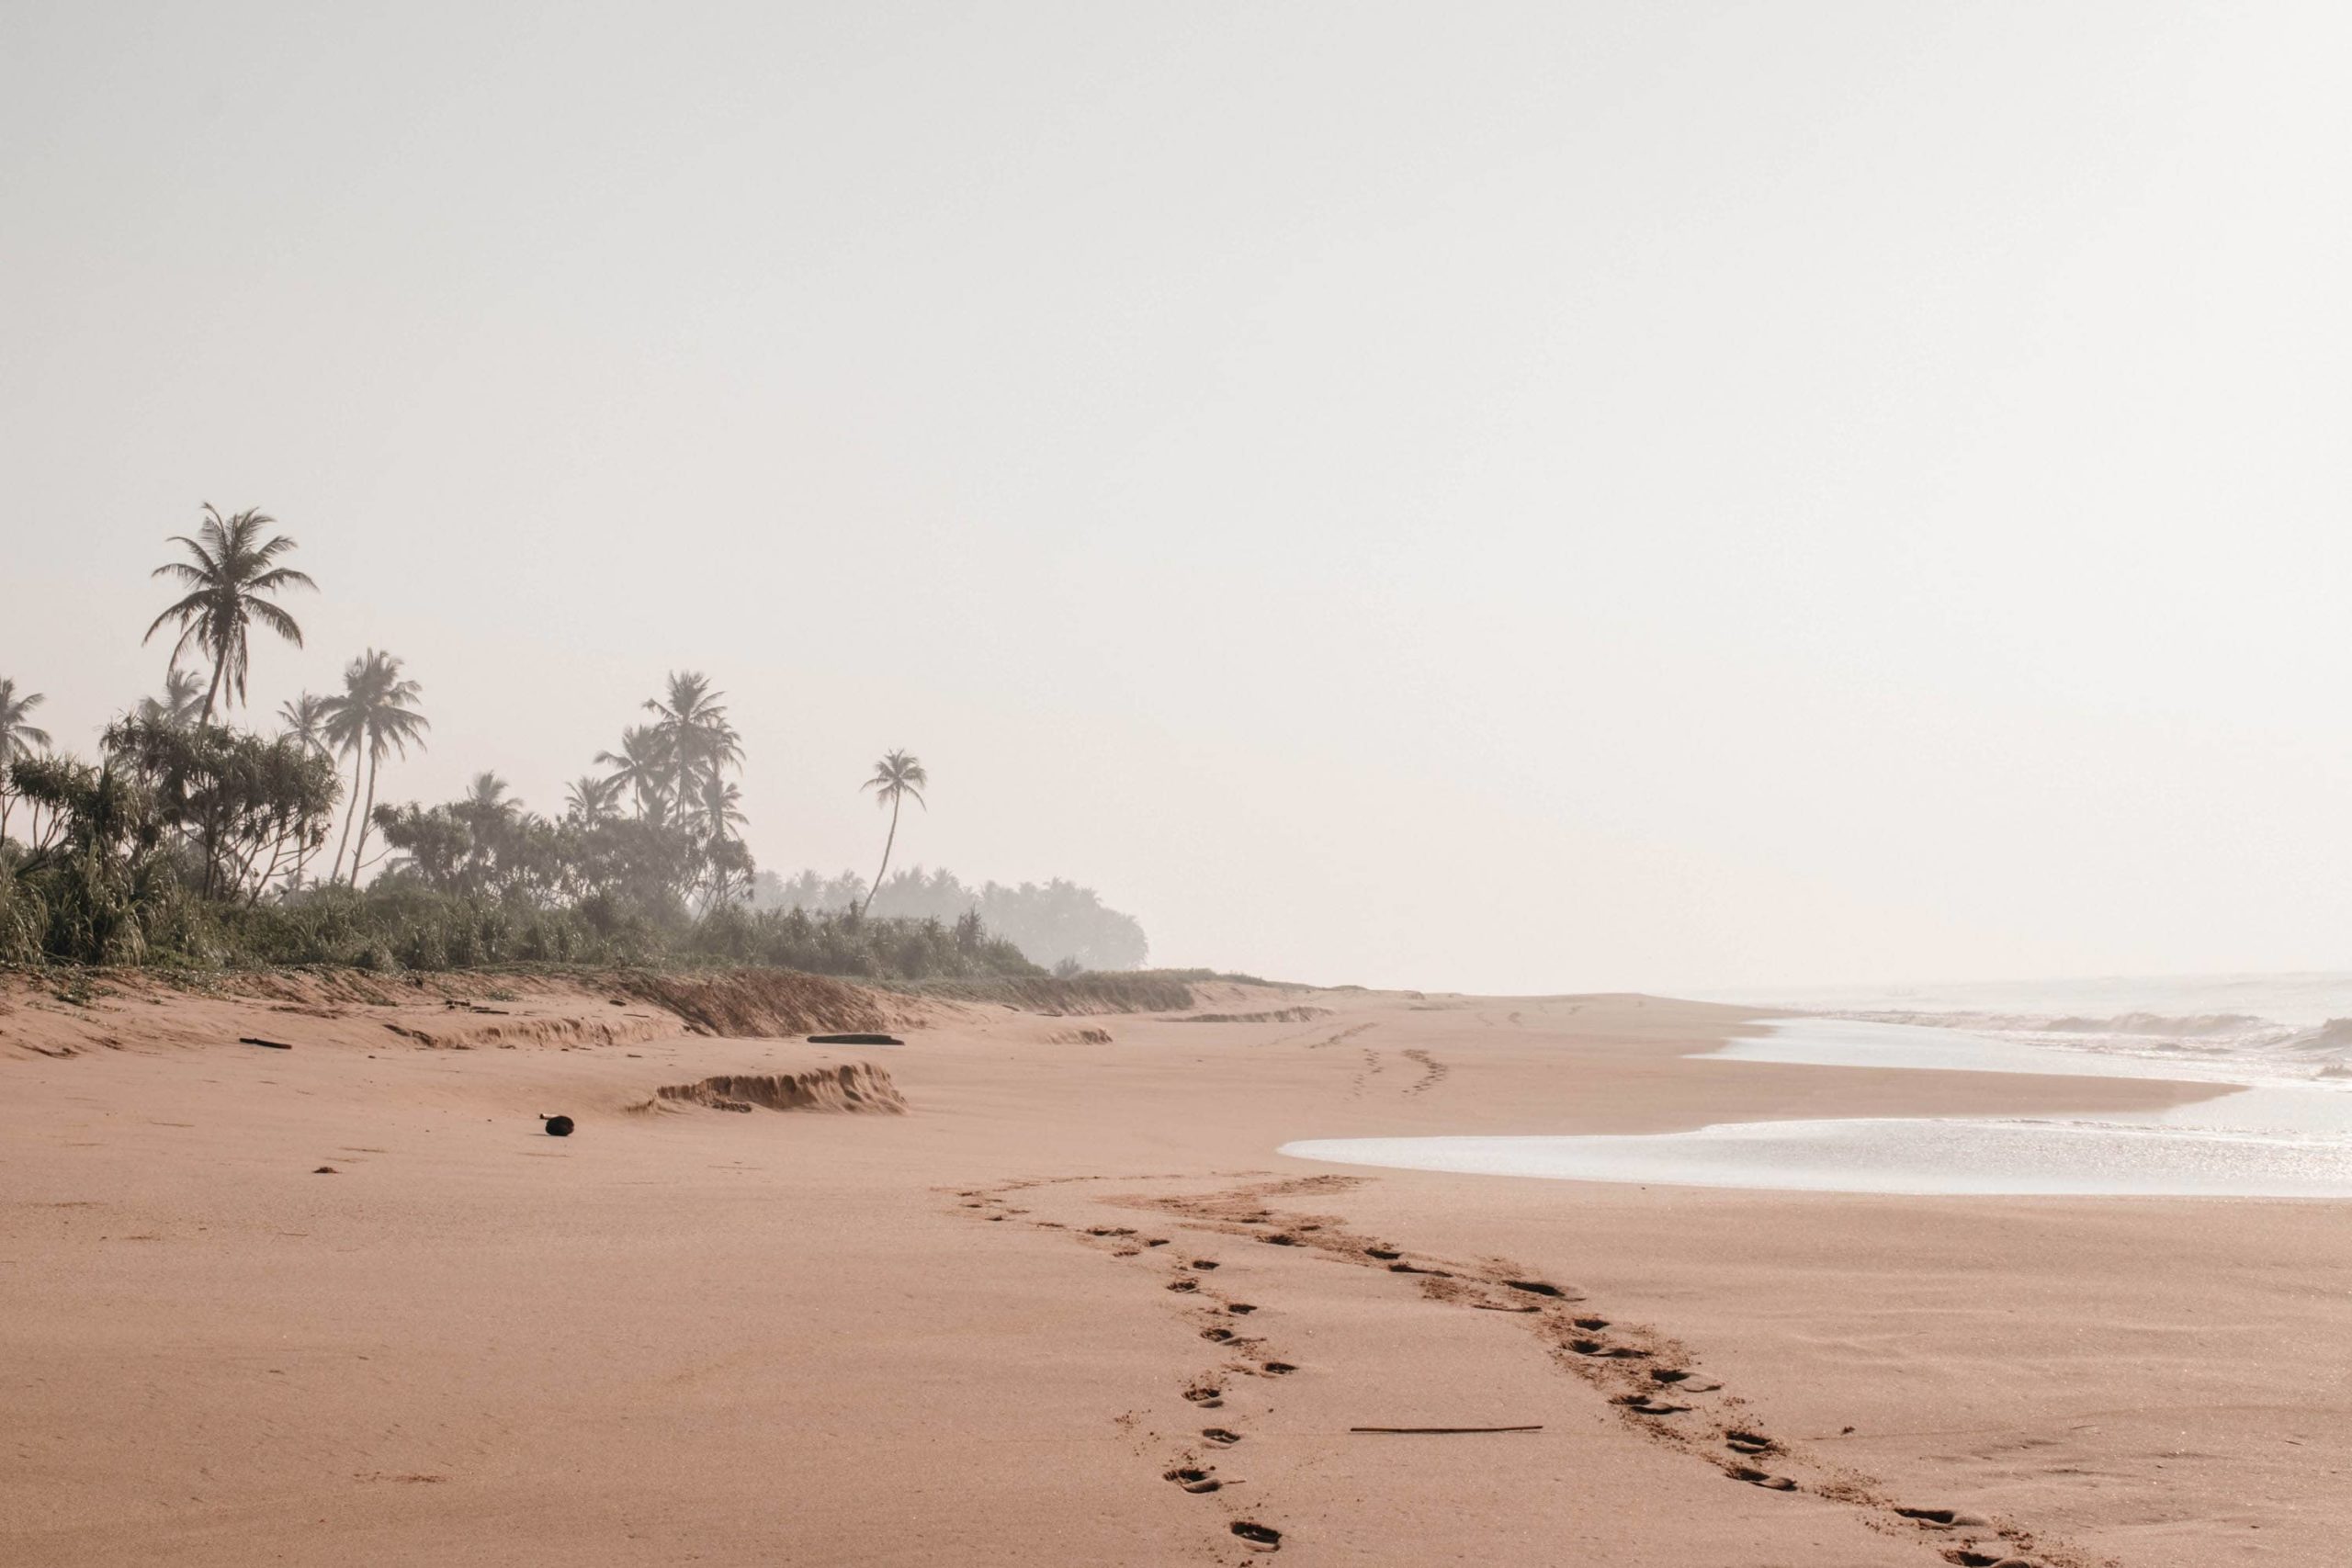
(977, 1299)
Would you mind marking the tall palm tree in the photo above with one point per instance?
(17, 738)
(642, 767)
(371, 718)
(591, 800)
(183, 699)
(896, 776)
(228, 577)
(691, 724)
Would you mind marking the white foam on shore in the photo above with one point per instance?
(2276, 1140)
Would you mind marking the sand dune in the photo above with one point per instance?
(348, 1302)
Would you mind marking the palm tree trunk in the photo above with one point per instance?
(376, 765)
(218, 662)
(885, 859)
(358, 760)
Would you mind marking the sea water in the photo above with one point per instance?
(2278, 1126)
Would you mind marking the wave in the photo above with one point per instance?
(2221, 1037)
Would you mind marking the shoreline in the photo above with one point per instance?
(756, 1336)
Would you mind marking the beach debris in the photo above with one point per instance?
(1443, 1431)
(1193, 1479)
(265, 1044)
(855, 1040)
(557, 1126)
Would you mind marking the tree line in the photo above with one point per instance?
(191, 836)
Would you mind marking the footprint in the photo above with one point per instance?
(1593, 1323)
(1758, 1478)
(1942, 1518)
(1278, 1239)
(1754, 1443)
(1643, 1404)
(1218, 1335)
(1263, 1537)
(1192, 1480)
(1538, 1288)
(1409, 1268)
(1181, 1285)
(1206, 1395)
(1204, 1262)
(1276, 1368)
(1239, 1309)
(1684, 1380)
(1595, 1349)
(1220, 1437)
(1385, 1253)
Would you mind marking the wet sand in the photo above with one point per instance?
(842, 1332)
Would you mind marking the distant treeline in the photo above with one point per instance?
(189, 841)
(1059, 924)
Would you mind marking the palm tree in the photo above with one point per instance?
(371, 718)
(896, 776)
(591, 800)
(303, 720)
(182, 699)
(17, 738)
(720, 808)
(642, 766)
(228, 580)
(693, 733)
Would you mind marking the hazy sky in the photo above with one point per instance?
(1513, 497)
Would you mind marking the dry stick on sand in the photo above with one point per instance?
(273, 1044)
(1442, 1431)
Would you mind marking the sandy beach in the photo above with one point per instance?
(1035, 1289)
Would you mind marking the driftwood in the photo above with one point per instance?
(1442, 1431)
(855, 1040)
(272, 1045)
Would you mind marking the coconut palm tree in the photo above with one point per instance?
(229, 580)
(721, 809)
(590, 800)
(896, 776)
(642, 767)
(303, 720)
(17, 738)
(692, 727)
(182, 701)
(371, 718)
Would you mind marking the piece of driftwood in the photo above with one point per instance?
(272, 1045)
(1442, 1431)
(855, 1040)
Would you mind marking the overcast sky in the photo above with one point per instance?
(1504, 497)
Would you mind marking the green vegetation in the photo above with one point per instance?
(1057, 923)
(191, 842)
